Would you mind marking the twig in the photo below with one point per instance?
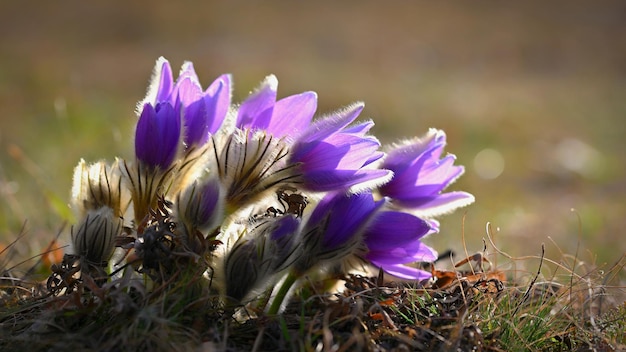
(532, 283)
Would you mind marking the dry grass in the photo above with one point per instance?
(559, 305)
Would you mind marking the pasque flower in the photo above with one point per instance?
(157, 137)
(421, 174)
(174, 109)
(333, 156)
(393, 239)
(334, 229)
(261, 193)
(286, 117)
(274, 144)
(174, 117)
(157, 146)
(202, 112)
(343, 226)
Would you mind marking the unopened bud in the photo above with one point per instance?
(98, 185)
(201, 205)
(259, 256)
(94, 237)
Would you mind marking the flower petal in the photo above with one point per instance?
(163, 72)
(256, 111)
(217, 99)
(329, 125)
(405, 272)
(437, 204)
(392, 229)
(420, 175)
(293, 114)
(335, 227)
(325, 180)
(411, 252)
(157, 135)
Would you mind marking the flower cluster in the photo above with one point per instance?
(260, 193)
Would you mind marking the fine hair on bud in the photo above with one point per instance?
(200, 207)
(98, 185)
(259, 256)
(94, 237)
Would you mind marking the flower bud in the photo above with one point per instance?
(201, 205)
(260, 255)
(250, 163)
(158, 135)
(94, 237)
(98, 185)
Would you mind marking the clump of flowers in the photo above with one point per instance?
(255, 196)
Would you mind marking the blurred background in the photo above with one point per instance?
(533, 99)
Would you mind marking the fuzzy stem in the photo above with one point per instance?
(282, 293)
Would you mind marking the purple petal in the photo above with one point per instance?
(360, 129)
(345, 216)
(256, 111)
(408, 191)
(411, 252)
(411, 158)
(442, 172)
(190, 100)
(188, 72)
(329, 180)
(437, 204)
(405, 272)
(293, 114)
(217, 100)
(157, 135)
(196, 130)
(187, 87)
(208, 201)
(393, 229)
(166, 80)
(329, 125)
(359, 153)
(286, 226)
(338, 152)
(374, 157)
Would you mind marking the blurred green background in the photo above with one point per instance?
(531, 95)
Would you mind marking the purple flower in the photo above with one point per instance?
(275, 144)
(344, 225)
(157, 135)
(333, 231)
(332, 156)
(288, 116)
(251, 158)
(420, 176)
(394, 239)
(203, 112)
